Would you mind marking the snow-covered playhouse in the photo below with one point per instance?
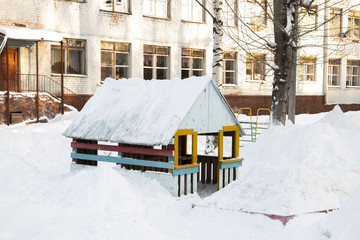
(154, 126)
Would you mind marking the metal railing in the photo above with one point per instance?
(27, 83)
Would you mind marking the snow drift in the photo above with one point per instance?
(297, 169)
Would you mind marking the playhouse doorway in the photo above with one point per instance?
(13, 70)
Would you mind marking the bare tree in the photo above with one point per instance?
(287, 17)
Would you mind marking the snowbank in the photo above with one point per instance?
(297, 169)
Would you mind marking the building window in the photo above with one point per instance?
(115, 5)
(334, 72)
(114, 60)
(308, 19)
(229, 67)
(192, 62)
(307, 69)
(353, 72)
(74, 57)
(335, 22)
(192, 11)
(156, 62)
(230, 11)
(257, 14)
(255, 67)
(156, 8)
(354, 25)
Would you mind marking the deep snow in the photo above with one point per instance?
(41, 199)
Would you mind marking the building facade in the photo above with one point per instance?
(165, 39)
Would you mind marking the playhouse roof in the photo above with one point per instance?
(135, 111)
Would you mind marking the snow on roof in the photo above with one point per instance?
(30, 34)
(135, 111)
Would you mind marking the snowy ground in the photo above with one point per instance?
(312, 166)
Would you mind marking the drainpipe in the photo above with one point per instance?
(7, 84)
(62, 78)
(325, 57)
(37, 81)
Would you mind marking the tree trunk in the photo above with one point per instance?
(292, 88)
(284, 58)
(217, 47)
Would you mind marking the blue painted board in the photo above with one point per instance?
(230, 165)
(183, 171)
(121, 160)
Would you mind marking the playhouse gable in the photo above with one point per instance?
(209, 113)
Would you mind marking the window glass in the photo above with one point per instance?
(353, 70)
(156, 8)
(115, 5)
(192, 62)
(115, 60)
(255, 67)
(74, 57)
(192, 11)
(308, 19)
(229, 67)
(354, 25)
(156, 62)
(335, 22)
(307, 69)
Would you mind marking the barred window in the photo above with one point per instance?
(114, 60)
(192, 62)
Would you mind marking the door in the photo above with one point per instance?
(13, 70)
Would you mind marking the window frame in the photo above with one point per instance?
(306, 62)
(114, 66)
(253, 59)
(351, 65)
(227, 10)
(334, 63)
(227, 59)
(167, 15)
(253, 20)
(191, 57)
(305, 14)
(191, 5)
(351, 32)
(113, 6)
(154, 56)
(336, 14)
(67, 49)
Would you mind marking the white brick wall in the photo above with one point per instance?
(86, 21)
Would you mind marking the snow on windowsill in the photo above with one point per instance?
(353, 87)
(69, 75)
(307, 82)
(157, 18)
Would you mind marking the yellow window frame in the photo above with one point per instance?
(236, 130)
(185, 132)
